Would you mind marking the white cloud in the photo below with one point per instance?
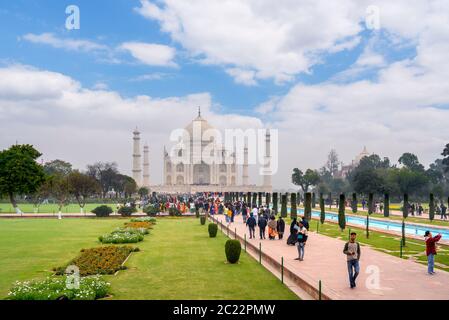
(151, 54)
(67, 44)
(246, 77)
(65, 120)
(274, 40)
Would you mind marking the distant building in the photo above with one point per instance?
(197, 175)
(345, 169)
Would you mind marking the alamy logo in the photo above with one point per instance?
(73, 21)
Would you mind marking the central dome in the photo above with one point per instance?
(200, 124)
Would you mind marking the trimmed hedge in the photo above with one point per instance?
(203, 220)
(127, 211)
(233, 249)
(151, 210)
(102, 211)
(213, 228)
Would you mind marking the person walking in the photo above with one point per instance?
(302, 239)
(443, 211)
(352, 252)
(293, 237)
(272, 228)
(251, 224)
(280, 228)
(244, 213)
(431, 250)
(262, 223)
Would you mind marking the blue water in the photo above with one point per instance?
(411, 229)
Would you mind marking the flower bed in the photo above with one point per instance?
(139, 225)
(53, 288)
(127, 235)
(144, 219)
(102, 260)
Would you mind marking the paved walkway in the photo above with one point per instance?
(324, 260)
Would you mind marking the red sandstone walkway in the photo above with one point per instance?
(324, 260)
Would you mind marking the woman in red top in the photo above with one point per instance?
(431, 250)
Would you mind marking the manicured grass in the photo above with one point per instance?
(30, 248)
(386, 243)
(177, 260)
(52, 208)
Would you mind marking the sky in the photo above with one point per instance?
(326, 74)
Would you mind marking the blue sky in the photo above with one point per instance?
(312, 69)
(114, 22)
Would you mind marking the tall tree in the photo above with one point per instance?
(82, 186)
(445, 161)
(106, 173)
(333, 162)
(410, 161)
(341, 212)
(19, 172)
(57, 167)
(143, 192)
(305, 180)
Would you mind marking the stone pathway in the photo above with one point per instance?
(381, 276)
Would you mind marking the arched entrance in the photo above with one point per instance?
(201, 174)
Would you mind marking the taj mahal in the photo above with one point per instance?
(185, 169)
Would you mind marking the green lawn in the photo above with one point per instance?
(51, 208)
(177, 260)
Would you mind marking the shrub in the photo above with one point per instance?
(127, 211)
(151, 210)
(203, 220)
(174, 212)
(102, 211)
(233, 250)
(101, 260)
(53, 288)
(213, 228)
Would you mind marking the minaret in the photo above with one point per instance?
(245, 177)
(146, 166)
(267, 176)
(137, 167)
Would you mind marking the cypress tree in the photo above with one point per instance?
(431, 207)
(260, 199)
(405, 206)
(308, 206)
(403, 233)
(268, 199)
(370, 203)
(330, 200)
(275, 202)
(293, 209)
(341, 213)
(386, 205)
(367, 226)
(354, 203)
(313, 200)
(248, 198)
(254, 199)
(298, 198)
(244, 198)
(284, 206)
(322, 209)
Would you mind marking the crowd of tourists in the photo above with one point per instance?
(262, 222)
